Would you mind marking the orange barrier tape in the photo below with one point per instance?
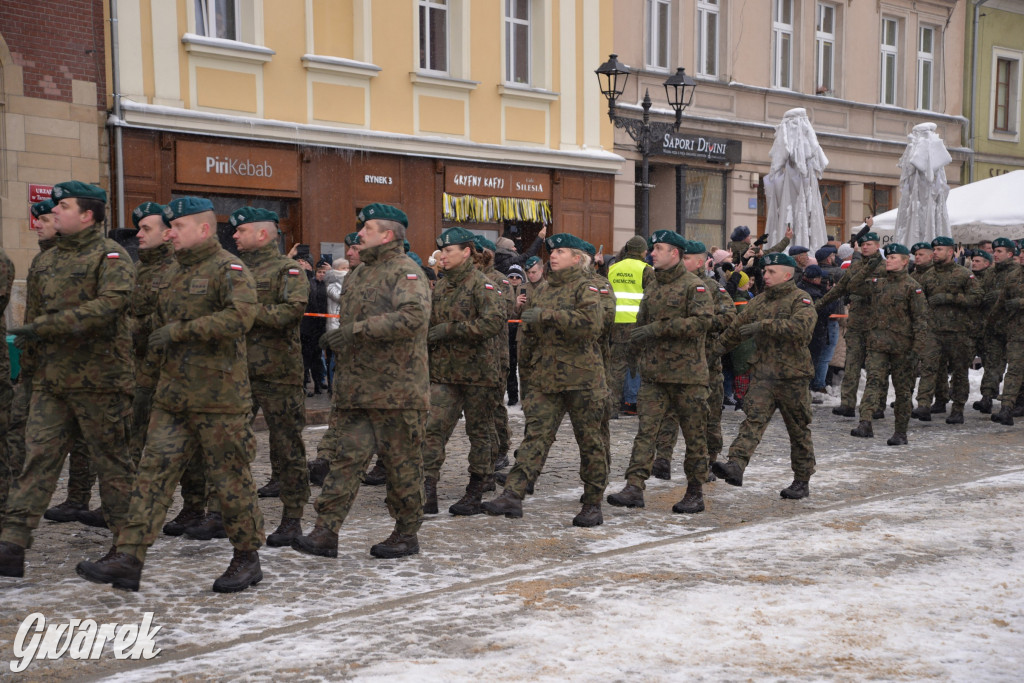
(335, 315)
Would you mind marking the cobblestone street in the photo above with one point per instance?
(904, 563)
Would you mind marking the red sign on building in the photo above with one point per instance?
(39, 193)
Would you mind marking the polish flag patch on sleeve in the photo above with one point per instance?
(488, 286)
(700, 288)
(113, 254)
(806, 301)
(293, 271)
(722, 290)
(236, 266)
(605, 291)
(412, 276)
(593, 289)
(918, 291)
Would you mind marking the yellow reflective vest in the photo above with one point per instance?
(627, 278)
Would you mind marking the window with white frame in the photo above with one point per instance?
(1006, 95)
(890, 50)
(825, 48)
(217, 18)
(517, 41)
(658, 23)
(925, 66)
(782, 43)
(707, 37)
(434, 35)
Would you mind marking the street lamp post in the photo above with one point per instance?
(679, 88)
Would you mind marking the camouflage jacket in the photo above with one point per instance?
(472, 312)
(604, 288)
(30, 354)
(387, 300)
(678, 307)
(210, 303)
(848, 285)
(964, 292)
(979, 315)
(725, 311)
(80, 312)
(788, 318)
(919, 272)
(155, 269)
(561, 352)
(899, 323)
(1010, 318)
(500, 343)
(6, 282)
(273, 347)
(1001, 275)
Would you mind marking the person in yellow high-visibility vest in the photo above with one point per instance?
(628, 275)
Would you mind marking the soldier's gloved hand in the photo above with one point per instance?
(940, 299)
(323, 342)
(991, 298)
(1013, 305)
(160, 337)
(751, 329)
(23, 335)
(531, 315)
(641, 334)
(437, 333)
(341, 337)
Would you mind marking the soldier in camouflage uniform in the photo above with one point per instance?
(898, 327)
(923, 262)
(872, 265)
(466, 315)
(484, 258)
(84, 375)
(952, 292)
(563, 363)
(782, 321)
(1008, 312)
(604, 288)
(274, 354)
(201, 403)
(675, 315)
(995, 338)
(381, 405)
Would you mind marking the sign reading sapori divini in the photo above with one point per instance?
(258, 168)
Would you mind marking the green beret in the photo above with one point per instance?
(943, 241)
(589, 248)
(352, 239)
(895, 248)
(1003, 242)
(42, 208)
(564, 240)
(382, 212)
(671, 238)
(482, 243)
(268, 216)
(695, 247)
(984, 254)
(246, 214)
(779, 259)
(78, 189)
(455, 236)
(406, 246)
(415, 257)
(869, 237)
(186, 206)
(146, 209)
(531, 262)
(919, 246)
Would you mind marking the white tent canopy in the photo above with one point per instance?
(982, 210)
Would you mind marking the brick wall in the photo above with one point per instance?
(54, 42)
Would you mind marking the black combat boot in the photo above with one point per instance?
(501, 462)
(287, 531)
(878, 414)
(844, 411)
(662, 468)
(1004, 416)
(797, 490)
(921, 413)
(693, 500)
(508, 504)
(898, 439)
(93, 518)
(67, 511)
(589, 515)
(956, 415)
(12, 559)
(320, 541)
(272, 489)
(244, 571)
(377, 476)
(728, 470)
(938, 408)
(631, 496)
(984, 405)
(863, 430)
(396, 545)
(118, 569)
(185, 519)
(469, 504)
(429, 496)
(318, 469)
(210, 526)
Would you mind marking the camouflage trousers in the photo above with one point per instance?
(447, 402)
(622, 359)
(104, 422)
(397, 437)
(994, 361)
(856, 352)
(328, 445)
(792, 398)
(7, 471)
(1014, 371)
(284, 410)
(499, 416)
(944, 351)
(684, 405)
(227, 447)
(142, 405)
(668, 435)
(544, 413)
(881, 365)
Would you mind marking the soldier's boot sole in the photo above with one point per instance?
(692, 503)
(956, 417)
(396, 546)
(272, 489)
(863, 430)
(93, 518)
(238, 585)
(844, 411)
(305, 545)
(244, 571)
(796, 490)
(65, 512)
(122, 577)
(922, 414)
(630, 496)
(1004, 417)
(505, 504)
(589, 516)
(897, 439)
(729, 471)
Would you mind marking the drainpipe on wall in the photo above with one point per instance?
(115, 72)
(974, 87)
